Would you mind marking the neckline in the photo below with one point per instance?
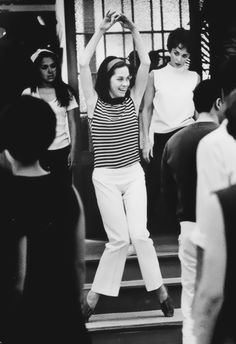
(115, 101)
(177, 69)
(48, 101)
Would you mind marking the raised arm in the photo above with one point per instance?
(146, 117)
(138, 89)
(85, 58)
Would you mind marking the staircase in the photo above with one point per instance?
(135, 315)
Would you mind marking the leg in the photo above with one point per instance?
(152, 176)
(188, 259)
(156, 219)
(112, 262)
(136, 211)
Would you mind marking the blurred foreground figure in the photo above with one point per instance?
(42, 235)
(216, 300)
(179, 178)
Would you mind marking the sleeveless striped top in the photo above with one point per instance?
(115, 134)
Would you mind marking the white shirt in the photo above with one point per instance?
(216, 169)
(173, 100)
(62, 138)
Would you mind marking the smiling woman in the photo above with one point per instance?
(118, 177)
(119, 82)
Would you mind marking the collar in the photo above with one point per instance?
(177, 70)
(114, 101)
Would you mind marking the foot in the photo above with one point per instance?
(167, 307)
(166, 302)
(89, 304)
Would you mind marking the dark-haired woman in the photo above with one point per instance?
(167, 107)
(118, 177)
(47, 84)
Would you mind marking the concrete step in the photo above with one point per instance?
(169, 265)
(167, 252)
(133, 297)
(149, 327)
(162, 244)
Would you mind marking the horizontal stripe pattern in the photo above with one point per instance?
(115, 134)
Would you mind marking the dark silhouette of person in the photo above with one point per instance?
(41, 235)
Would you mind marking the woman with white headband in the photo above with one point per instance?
(118, 177)
(47, 84)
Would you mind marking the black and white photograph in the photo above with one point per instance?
(117, 171)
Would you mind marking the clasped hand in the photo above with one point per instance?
(113, 17)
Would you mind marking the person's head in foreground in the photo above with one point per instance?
(27, 128)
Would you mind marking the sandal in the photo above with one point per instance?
(167, 307)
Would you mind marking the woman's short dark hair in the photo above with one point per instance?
(177, 37)
(102, 84)
(63, 91)
(27, 128)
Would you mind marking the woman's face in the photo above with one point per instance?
(48, 70)
(178, 56)
(119, 82)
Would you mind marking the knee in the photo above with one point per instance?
(138, 240)
(121, 243)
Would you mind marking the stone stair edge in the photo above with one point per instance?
(134, 257)
(132, 320)
(140, 283)
(171, 238)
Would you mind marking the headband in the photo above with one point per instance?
(37, 52)
(113, 62)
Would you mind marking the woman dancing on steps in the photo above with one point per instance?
(118, 177)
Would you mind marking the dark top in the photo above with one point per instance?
(46, 212)
(179, 173)
(225, 325)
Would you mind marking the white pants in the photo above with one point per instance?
(122, 201)
(188, 260)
